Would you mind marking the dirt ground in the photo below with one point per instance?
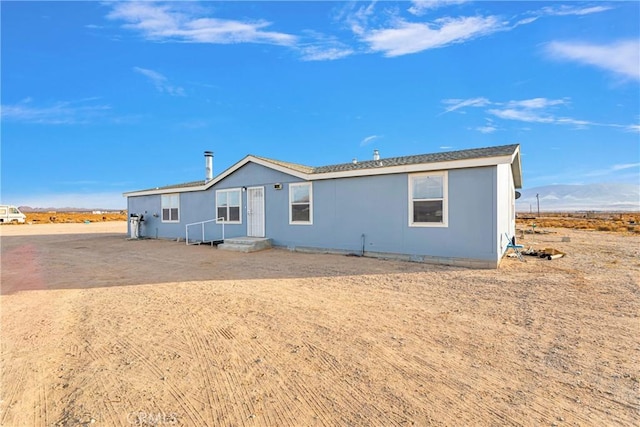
(101, 330)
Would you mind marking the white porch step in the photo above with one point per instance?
(245, 244)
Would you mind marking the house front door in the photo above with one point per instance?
(255, 211)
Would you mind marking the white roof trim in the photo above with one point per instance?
(417, 167)
(220, 177)
(383, 170)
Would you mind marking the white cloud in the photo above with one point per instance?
(185, 23)
(322, 53)
(621, 57)
(369, 139)
(486, 129)
(456, 104)
(160, 82)
(536, 103)
(625, 166)
(407, 37)
(521, 115)
(323, 48)
(60, 113)
(565, 10)
(533, 110)
(357, 20)
(420, 7)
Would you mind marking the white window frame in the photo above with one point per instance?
(292, 186)
(166, 202)
(230, 190)
(445, 199)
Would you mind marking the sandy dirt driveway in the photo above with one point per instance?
(101, 330)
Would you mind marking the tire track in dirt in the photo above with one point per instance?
(258, 372)
(197, 345)
(284, 415)
(176, 393)
(348, 392)
(212, 345)
(107, 385)
(42, 404)
(17, 375)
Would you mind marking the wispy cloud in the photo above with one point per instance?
(160, 82)
(323, 48)
(621, 57)
(420, 7)
(613, 169)
(59, 113)
(186, 23)
(398, 36)
(625, 166)
(456, 104)
(489, 127)
(369, 139)
(408, 37)
(534, 110)
(566, 10)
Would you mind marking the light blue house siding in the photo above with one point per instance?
(378, 207)
(350, 211)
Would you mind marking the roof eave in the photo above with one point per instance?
(220, 177)
(417, 167)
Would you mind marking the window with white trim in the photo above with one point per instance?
(228, 205)
(300, 203)
(428, 200)
(170, 207)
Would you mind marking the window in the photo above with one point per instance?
(300, 203)
(428, 200)
(228, 205)
(170, 207)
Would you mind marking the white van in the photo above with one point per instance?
(10, 213)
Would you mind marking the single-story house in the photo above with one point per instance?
(454, 207)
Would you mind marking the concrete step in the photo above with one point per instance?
(245, 244)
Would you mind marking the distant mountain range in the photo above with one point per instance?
(587, 197)
(30, 209)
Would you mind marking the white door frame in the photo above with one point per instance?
(255, 213)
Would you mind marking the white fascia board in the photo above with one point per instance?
(383, 170)
(516, 168)
(164, 191)
(219, 178)
(418, 167)
(280, 168)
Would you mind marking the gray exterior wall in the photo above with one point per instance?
(345, 209)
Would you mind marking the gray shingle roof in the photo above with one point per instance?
(183, 185)
(474, 153)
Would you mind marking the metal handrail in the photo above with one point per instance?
(202, 223)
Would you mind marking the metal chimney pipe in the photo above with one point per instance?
(208, 164)
(376, 155)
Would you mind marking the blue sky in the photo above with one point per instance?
(100, 98)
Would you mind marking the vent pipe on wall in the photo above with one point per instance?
(208, 165)
(376, 155)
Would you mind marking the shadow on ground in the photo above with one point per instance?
(79, 261)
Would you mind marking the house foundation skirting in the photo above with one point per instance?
(457, 262)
